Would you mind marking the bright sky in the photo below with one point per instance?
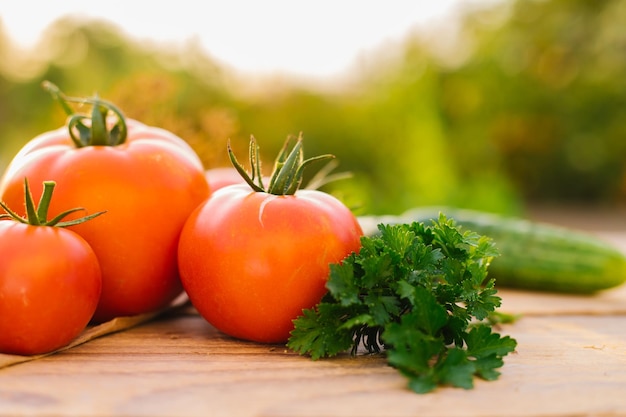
(313, 38)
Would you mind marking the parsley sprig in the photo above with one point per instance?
(421, 295)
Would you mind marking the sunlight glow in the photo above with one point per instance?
(320, 38)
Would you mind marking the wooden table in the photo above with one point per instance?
(570, 361)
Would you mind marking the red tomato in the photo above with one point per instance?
(50, 283)
(251, 261)
(148, 185)
(221, 177)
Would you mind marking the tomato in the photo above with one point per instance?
(148, 183)
(49, 287)
(221, 177)
(251, 260)
(50, 283)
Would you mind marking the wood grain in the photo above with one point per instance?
(181, 366)
(117, 324)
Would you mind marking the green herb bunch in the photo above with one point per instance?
(419, 294)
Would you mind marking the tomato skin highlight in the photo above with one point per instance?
(148, 186)
(252, 261)
(50, 284)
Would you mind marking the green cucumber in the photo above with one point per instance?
(533, 255)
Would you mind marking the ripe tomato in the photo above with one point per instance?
(251, 260)
(221, 177)
(50, 283)
(49, 287)
(148, 184)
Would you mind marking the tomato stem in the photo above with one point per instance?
(249, 178)
(44, 200)
(38, 216)
(288, 170)
(95, 131)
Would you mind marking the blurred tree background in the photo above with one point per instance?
(524, 106)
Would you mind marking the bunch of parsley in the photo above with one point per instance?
(419, 294)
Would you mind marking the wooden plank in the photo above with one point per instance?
(565, 365)
(529, 303)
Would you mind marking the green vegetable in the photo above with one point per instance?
(538, 256)
(419, 294)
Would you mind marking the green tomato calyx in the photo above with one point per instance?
(97, 131)
(288, 170)
(38, 216)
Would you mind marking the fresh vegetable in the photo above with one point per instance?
(148, 180)
(251, 258)
(50, 279)
(221, 177)
(421, 295)
(539, 256)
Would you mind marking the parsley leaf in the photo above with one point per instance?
(421, 295)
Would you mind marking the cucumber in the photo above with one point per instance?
(533, 255)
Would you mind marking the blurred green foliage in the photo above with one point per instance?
(552, 98)
(527, 107)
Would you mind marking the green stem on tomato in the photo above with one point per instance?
(241, 170)
(288, 170)
(32, 215)
(285, 175)
(38, 216)
(44, 200)
(96, 131)
(255, 162)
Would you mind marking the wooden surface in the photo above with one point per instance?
(570, 361)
